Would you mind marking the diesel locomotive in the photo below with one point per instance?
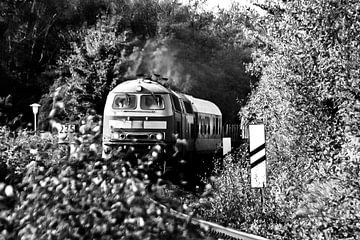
(142, 114)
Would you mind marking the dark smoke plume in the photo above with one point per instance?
(210, 74)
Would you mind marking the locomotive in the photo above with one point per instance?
(142, 114)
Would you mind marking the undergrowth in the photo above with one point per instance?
(67, 191)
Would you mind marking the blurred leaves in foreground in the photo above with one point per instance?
(83, 196)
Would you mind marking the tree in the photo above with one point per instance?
(308, 98)
(201, 58)
(175, 41)
(33, 35)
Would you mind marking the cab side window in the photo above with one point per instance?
(188, 107)
(176, 103)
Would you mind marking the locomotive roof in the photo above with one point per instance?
(199, 105)
(146, 85)
(203, 106)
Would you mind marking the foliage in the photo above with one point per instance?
(92, 68)
(68, 191)
(230, 201)
(33, 35)
(187, 47)
(48, 39)
(206, 56)
(103, 56)
(308, 99)
(18, 149)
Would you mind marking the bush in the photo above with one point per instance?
(70, 192)
(308, 99)
(231, 201)
(22, 147)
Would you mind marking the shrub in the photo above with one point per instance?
(231, 201)
(308, 99)
(73, 193)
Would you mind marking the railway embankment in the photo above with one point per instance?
(62, 191)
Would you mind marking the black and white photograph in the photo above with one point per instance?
(180, 119)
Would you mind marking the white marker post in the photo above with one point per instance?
(257, 155)
(35, 109)
(226, 145)
(258, 158)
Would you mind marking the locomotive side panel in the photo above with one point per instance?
(208, 139)
(184, 120)
(208, 119)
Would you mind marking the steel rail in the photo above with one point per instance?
(216, 229)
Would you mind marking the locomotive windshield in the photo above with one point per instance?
(124, 101)
(152, 102)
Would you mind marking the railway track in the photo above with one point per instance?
(215, 229)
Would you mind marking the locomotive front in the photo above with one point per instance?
(137, 116)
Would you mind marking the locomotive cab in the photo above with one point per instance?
(138, 114)
(142, 114)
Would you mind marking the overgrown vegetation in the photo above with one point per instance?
(67, 191)
(69, 54)
(308, 97)
(232, 203)
(90, 46)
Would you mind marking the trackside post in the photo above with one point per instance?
(226, 145)
(257, 155)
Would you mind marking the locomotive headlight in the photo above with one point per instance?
(159, 136)
(115, 135)
(138, 88)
